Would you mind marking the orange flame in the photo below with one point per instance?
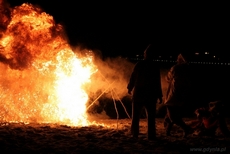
(42, 79)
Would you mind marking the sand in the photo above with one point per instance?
(114, 137)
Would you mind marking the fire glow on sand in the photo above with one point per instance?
(42, 79)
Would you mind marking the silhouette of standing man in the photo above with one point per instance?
(145, 82)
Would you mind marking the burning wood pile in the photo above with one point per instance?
(45, 80)
(42, 79)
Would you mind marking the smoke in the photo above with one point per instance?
(112, 75)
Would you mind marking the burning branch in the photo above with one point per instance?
(122, 104)
(99, 96)
(115, 106)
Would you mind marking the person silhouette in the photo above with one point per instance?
(145, 81)
(177, 94)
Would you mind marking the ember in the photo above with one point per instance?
(42, 79)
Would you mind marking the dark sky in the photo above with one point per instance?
(127, 28)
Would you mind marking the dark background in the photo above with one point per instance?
(126, 28)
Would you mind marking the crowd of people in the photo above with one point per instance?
(146, 90)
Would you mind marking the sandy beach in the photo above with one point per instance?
(113, 137)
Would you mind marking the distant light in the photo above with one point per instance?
(206, 53)
(197, 53)
(214, 56)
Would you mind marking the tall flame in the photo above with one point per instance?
(42, 79)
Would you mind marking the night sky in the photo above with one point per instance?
(126, 29)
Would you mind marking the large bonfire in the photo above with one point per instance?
(41, 79)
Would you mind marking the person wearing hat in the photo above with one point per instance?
(177, 94)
